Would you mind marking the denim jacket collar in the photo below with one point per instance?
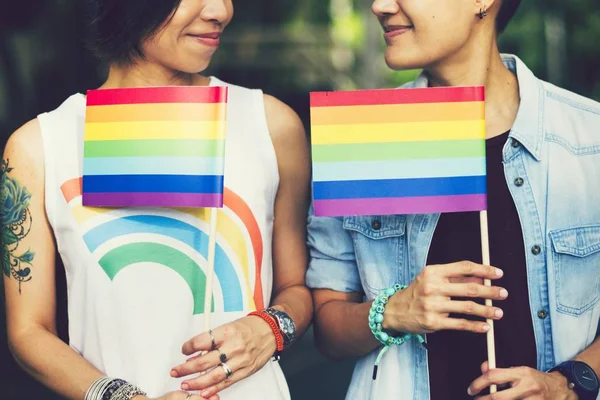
(527, 128)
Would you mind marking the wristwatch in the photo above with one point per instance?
(287, 327)
(582, 378)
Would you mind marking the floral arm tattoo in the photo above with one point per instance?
(16, 224)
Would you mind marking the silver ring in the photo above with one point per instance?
(227, 370)
(212, 340)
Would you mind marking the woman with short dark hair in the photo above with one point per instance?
(407, 272)
(134, 275)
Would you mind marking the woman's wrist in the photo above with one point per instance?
(263, 325)
(391, 321)
(377, 318)
(376, 324)
(285, 326)
(105, 388)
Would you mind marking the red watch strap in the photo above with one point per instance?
(274, 327)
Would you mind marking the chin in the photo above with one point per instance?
(194, 67)
(195, 70)
(404, 60)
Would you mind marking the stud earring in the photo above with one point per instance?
(483, 13)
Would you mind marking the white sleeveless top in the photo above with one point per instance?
(135, 276)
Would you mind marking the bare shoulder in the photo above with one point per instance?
(283, 122)
(24, 151)
(27, 139)
(289, 139)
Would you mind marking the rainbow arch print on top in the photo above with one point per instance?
(177, 238)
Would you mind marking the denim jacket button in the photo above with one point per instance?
(515, 143)
(376, 224)
(519, 182)
(542, 314)
(536, 250)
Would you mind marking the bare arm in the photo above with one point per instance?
(341, 313)
(28, 266)
(290, 257)
(341, 328)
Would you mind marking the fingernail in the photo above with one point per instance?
(185, 386)
(486, 328)
(498, 313)
(499, 272)
(469, 391)
(205, 394)
(504, 293)
(174, 373)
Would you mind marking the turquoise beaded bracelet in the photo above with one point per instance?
(376, 320)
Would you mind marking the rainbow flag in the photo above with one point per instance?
(155, 147)
(400, 151)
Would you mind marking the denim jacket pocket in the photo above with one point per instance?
(576, 259)
(379, 245)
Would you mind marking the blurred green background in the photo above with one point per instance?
(288, 48)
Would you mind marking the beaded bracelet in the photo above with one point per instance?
(115, 385)
(127, 392)
(376, 320)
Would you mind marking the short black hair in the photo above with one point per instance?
(117, 28)
(508, 8)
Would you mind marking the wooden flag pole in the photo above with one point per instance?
(485, 254)
(208, 291)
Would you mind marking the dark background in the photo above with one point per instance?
(288, 48)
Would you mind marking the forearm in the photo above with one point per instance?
(591, 356)
(296, 301)
(342, 330)
(53, 363)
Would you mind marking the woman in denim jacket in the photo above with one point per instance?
(543, 160)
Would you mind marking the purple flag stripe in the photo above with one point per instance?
(400, 205)
(139, 199)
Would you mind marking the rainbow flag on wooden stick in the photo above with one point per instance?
(155, 147)
(400, 151)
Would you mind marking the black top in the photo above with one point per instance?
(455, 357)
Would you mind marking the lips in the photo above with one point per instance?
(209, 39)
(392, 31)
(214, 35)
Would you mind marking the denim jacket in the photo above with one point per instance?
(552, 166)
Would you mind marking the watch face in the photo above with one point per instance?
(286, 325)
(585, 377)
